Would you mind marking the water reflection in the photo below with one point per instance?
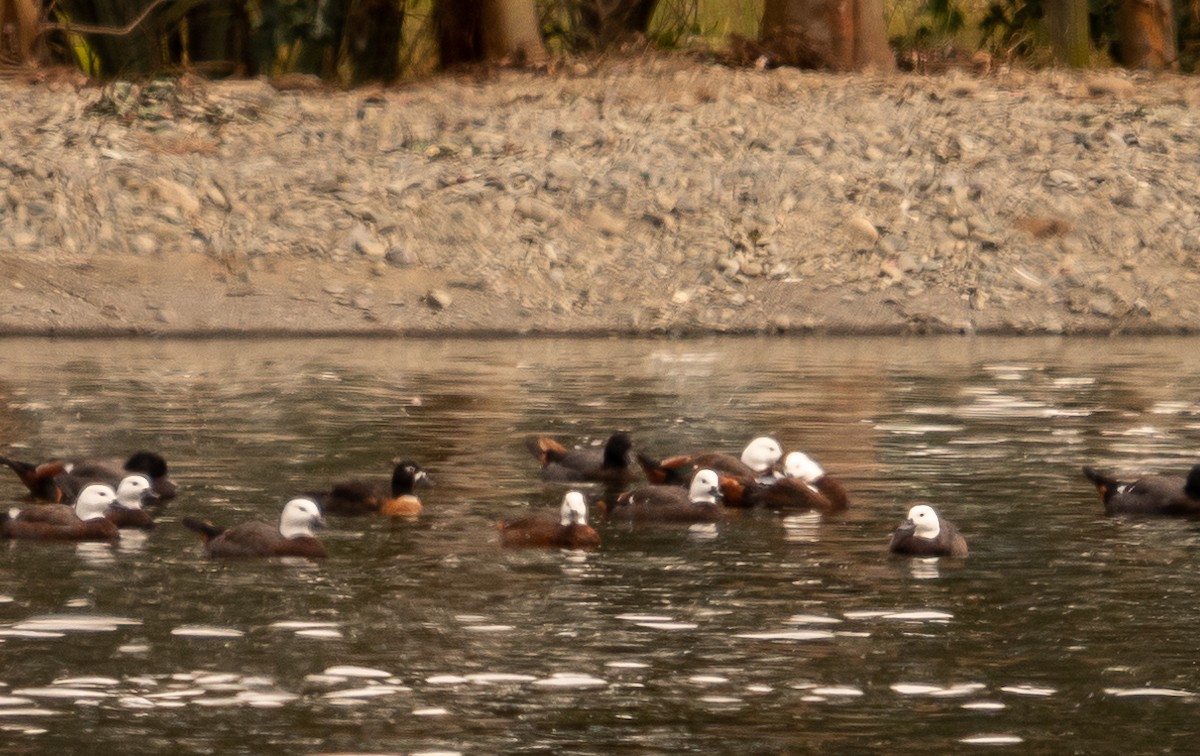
(762, 633)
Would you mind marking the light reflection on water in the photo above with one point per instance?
(763, 634)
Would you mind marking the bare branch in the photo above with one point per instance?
(106, 30)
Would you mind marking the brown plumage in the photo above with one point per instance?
(394, 499)
(569, 531)
(292, 537)
(805, 487)
(61, 480)
(925, 533)
(700, 503)
(85, 521)
(739, 479)
(1165, 495)
(610, 464)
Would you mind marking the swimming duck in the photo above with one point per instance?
(127, 510)
(756, 467)
(924, 533)
(701, 502)
(610, 464)
(61, 480)
(569, 531)
(358, 497)
(85, 521)
(293, 536)
(805, 486)
(1168, 495)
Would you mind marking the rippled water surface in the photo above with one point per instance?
(1063, 632)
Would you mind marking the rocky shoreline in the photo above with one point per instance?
(657, 195)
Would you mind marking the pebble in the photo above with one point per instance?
(670, 211)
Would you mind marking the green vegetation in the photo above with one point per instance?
(352, 41)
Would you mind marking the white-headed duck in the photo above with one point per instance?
(292, 537)
(85, 521)
(700, 502)
(805, 486)
(569, 531)
(739, 476)
(61, 480)
(925, 533)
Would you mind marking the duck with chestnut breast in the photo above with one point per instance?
(84, 521)
(1150, 495)
(739, 476)
(925, 533)
(700, 502)
(61, 480)
(804, 487)
(397, 498)
(611, 464)
(293, 536)
(569, 531)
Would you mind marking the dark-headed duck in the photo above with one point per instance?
(61, 480)
(924, 533)
(805, 486)
(611, 464)
(395, 499)
(739, 476)
(1168, 495)
(85, 521)
(292, 537)
(701, 502)
(569, 531)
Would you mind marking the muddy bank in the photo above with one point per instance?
(659, 195)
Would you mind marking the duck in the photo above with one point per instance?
(397, 499)
(700, 502)
(804, 486)
(61, 480)
(610, 464)
(1166, 495)
(293, 536)
(570, 531)
(84, 521)
(739, 475)
(127, 510)
(925, 533)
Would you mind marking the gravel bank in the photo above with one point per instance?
(658, 195)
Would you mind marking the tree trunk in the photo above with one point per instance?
(1068, 21)
(472, 31)
(1146, 30)
(840, 34)
(19, 28)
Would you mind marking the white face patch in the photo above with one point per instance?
(93, 500)
(762, 453)
(800, 465)
(574, 509)
(299, 518)
(706, 488)
(131, 490)
(926, 520)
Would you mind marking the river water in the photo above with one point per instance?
(1063, 632)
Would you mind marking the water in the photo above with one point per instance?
(1064, 631)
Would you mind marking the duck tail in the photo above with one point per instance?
(206, 529)
(39, 479)
(1099, 479)
(546, 449)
